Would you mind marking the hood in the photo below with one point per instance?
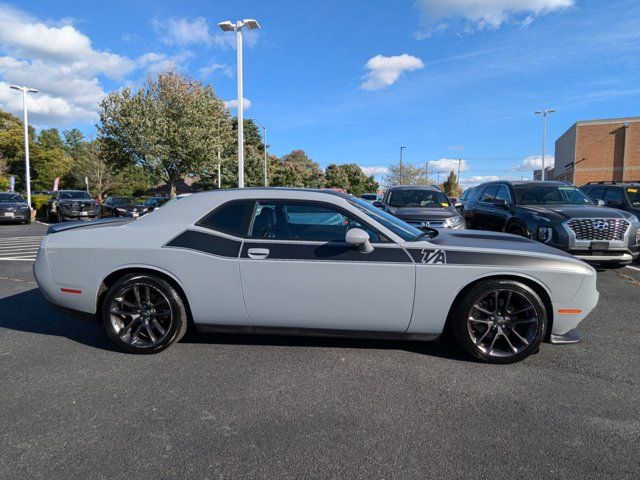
(132, 208)
(426, 214)
(494, 240)
(566, 212)
(12, 205)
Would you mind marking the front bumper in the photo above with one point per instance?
(14, 216)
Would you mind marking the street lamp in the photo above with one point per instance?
(227, 26)
(264, 142)
(544, 137)
(401, 149)
(27, 180)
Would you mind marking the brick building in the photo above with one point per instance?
(598, 150)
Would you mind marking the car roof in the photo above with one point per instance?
(527, 183)
(414, 187)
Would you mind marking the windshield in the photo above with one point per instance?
(74, 194)
(418, 198)
(10, 198)
(550, 195)
(369, 196)
(117, 201)
(397, 226)
(633, 195)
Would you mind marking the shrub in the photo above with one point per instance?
(39, 204)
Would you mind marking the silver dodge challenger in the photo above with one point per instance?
(313, 262)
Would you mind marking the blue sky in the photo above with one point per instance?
(347, 81)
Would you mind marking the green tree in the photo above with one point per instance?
(296, 169)
(172, 126)
(408, 175)
(350, 177)
(49, 160)
(450, 186)
(73, 142)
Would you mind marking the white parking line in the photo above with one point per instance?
(20, 249)
(633, 268)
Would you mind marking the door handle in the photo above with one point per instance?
(258, 253)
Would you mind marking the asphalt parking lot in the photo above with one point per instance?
(222, 406)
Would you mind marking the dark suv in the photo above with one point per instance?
(421, 206)
(72, 205)
(621, 195)
(558, 214)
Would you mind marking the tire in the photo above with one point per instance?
(517, 230)
(59, 217)
(144, 325)
(504, 333)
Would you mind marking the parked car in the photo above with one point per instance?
(155, 202)
(620, 195)
(370, 197)
(306, 262)
(72, 205)
(421, 206)
(14, 208)
(463, 199)
(122, 207)
(558, 214)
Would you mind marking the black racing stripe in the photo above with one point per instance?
(328, 252)
(456, 257)
(206, 243)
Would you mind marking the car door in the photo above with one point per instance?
(484, 209)
(297, 271)
(498, 216)
(614, 198)
(105, 208)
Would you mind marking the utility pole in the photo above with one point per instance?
(264, 142)
(25, 121)
(401, 149)
(458, 177)
(544, 138)
(426, 172)
(227, 26)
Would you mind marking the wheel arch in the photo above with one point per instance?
(532, 283)
(120, 272)
(514, 221)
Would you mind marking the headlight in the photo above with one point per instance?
(65, 205)
(638, 236)
(544, 234)
(453, 222)
(121, 210)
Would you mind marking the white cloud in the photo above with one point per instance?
(483, 14)
(232, 104)
(182, 31)
(225, 69)
(534, 162)
(155, 62)
(446, 165)
(58, 60)
(385, 71)
(375, 171)
(228, 39)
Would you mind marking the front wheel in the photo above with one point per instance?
(500, 321)
(144, 314)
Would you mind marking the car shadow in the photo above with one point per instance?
(29, 312)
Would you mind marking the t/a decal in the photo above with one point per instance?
(434, 257)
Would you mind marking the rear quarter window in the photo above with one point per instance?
(232, 218)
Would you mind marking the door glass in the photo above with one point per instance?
(232, 218)
(489, 195)
(615, 195)
(301, 221)
(503, 194)
(597, 193)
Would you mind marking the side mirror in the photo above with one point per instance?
(500, 202)
(378, 204)
(600, 203)
(357, 236)
(458, 205)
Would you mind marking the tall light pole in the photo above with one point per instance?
(401, 149)
(27, 173)
(544, 137)
(264, 142)
(227, 26)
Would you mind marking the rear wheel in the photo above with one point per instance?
(517, 230)
(144, 314)
(500, 321)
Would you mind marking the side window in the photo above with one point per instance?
(489, 195)
(503, 194)
(597, 193)
(232, 218)
(304, 221)
(614, 194)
